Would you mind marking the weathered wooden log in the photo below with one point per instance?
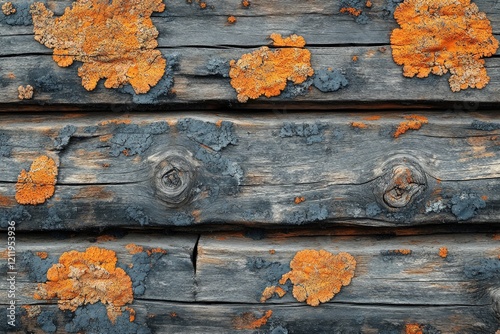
(333, 38)
(174, 170)
(397, 282)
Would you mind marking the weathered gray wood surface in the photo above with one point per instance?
(249, 169)
(197, 36)
(456, 294)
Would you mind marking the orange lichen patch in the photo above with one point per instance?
(354, 58)
(37, 185)
(203, 5)
(173, 314)
(359, 125)
(272, 251)
(484, 197)
(318, 276)
(85, 278)
(11, 75)
(42, 255)
(496, 237)
(413, 329)
(368, 4)
(400, 251)
(132, 313)
(7, 201)
(245, 3)
(156, 250)
(299, 199)
(249, 321)
(115, 121)
(8, 8)
(351, 10)
(437, 36)
(372, 118)
(270, 291)
(25, 93)
(231, 19)
(414, 122)
(105, 238)
(4, 254)
(134, 249)
(443, 252)
(266, 72)
(114, 40)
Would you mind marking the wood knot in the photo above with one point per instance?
(401, 183)
(174, 178)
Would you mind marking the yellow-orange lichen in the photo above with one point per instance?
(351, 10)
(42, 255)
(443, 252)
(37, 185)
(245, 3)
(413, 122)
(368, 4)
(413, 329)
(134, 249)
(114, 40)
(203, 5)
(437, 36)
(398, 252)
(299, 199)
(86, 278)
(266, 72)
(355, 58)
(272, 251)
(231, 19)
(249, 321)
(359, 125)
(105, 238)
(270, 291)
(8, 8)
(372, 118)
(115, 122)
(7, 201)
(32, 310)
(317, 276)
(25, 93)
(156, 250)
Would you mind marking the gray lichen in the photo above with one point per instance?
(328, 80)
(215, 136)
(132, 139)
(313, 133)
(466, 205)
(64, 136)
(218, 66)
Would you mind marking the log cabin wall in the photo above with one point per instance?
(356, 201)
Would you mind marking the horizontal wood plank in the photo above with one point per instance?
(332, 37)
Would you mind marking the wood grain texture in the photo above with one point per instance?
(197, 36)
(456, 294)
(250, 170)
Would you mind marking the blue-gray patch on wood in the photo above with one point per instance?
(388, 328)
(137, 214)
(389, 8)
(483, 269)
(142, 264)
(93, 319)
(53, 220)
(485, 126)
(218, 66)
(90, 129)
(209, 134)
(216, 163)
(327, 80)
(48, 82)
(429, 329)
(269, 272)
(255, 233)
(134, 139)
(313, 133)
(47, 322)
(293, 90)
(36, 267)
(21, 17)
(279, 330)
(162, 88)
(17, 214)
(313, 212)
(5, 148)
(182, 219)
(466, 205)
(372, 209)
(64, 136)
(5, 327)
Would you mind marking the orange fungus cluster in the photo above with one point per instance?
(86, 278)
(266, 71)
(114, 40)
(249, 321)
(317, 276)
(37, 185)
(437, 36)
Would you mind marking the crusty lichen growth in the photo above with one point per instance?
(25, 93)
(86, 278)
(437, 36)
(266, 72)
(270, 291)
(8, 9)
(114, 40)
(37, 185)
(413, 329)
(413, 122)
(317, 276)
(443, 252)
(249, 321)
